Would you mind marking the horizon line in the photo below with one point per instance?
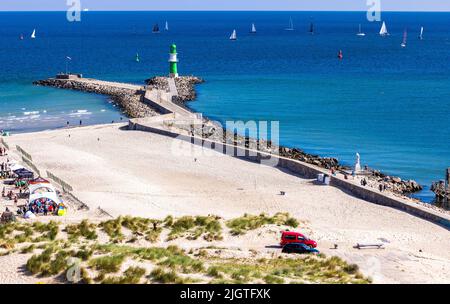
(231, 10)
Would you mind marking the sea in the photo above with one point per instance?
(388, 103)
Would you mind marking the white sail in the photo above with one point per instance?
(233, 35)
(253, 28)
(384, 31)
(360, 33)
(167, 26)
(421, 33)
(33, 35)
(405, 38)
(291, 25)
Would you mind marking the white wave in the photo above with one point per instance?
(31, 113)
(79, 113)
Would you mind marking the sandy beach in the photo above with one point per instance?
(140, 174)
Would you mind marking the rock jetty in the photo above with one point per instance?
(129, 100)
(185, 87)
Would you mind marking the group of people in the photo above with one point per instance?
(41, 206)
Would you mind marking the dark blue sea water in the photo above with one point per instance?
(391, 105)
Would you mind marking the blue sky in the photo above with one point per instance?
(387, 5)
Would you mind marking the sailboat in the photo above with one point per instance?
(421, 33)
(291, 25)
(21, 37)
(405, 38)
(383, 30)
(137, 58)
(233, 35)
(253, 30)
(33, 35)
(155, 29)
(311, 28)
(360, 32)
(167, 26)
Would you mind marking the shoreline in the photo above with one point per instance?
(127, 99)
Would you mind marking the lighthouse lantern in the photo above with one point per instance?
(173, 60)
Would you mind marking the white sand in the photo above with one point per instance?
(137, 173)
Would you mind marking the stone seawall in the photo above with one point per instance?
(129, 98)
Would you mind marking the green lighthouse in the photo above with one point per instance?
(173, 60)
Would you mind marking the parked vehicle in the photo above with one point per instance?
(288, 237)
(298, 248)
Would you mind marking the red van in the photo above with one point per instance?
(288, 237)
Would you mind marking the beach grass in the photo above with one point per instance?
(242, 225)
(101, 262)
(193, 228)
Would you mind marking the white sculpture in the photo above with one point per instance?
(358, 163)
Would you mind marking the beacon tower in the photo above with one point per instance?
(173, 60)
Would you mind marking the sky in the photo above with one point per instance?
(307, 5)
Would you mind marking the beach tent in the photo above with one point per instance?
(39, 180)
(24, 173)
(40, 188)
(48, 196)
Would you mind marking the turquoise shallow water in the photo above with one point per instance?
(391, 105)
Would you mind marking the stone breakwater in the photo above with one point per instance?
(129, 100)
(185, 86)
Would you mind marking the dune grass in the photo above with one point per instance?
(107, 264)
(84, 229)
(171, 264)
(193, 228)
(248, 222)
(133, 275)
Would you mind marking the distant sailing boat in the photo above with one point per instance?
(311, 28)
(291, 25)
(383, 30)
(33, 35)
(21, 37)
(137, 58)
(233, 35)
(421, 33)
(253, 30)
(155, 29)
(360, 32)
(167, 26)
(405, 38)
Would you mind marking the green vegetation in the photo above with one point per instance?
(107, 264)
(247, 223)
(194, 227)
(138, 226)
(132, 275)
(52, 251)
(159, 275)
(84, 229)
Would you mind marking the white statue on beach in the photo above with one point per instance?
(358, 163)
